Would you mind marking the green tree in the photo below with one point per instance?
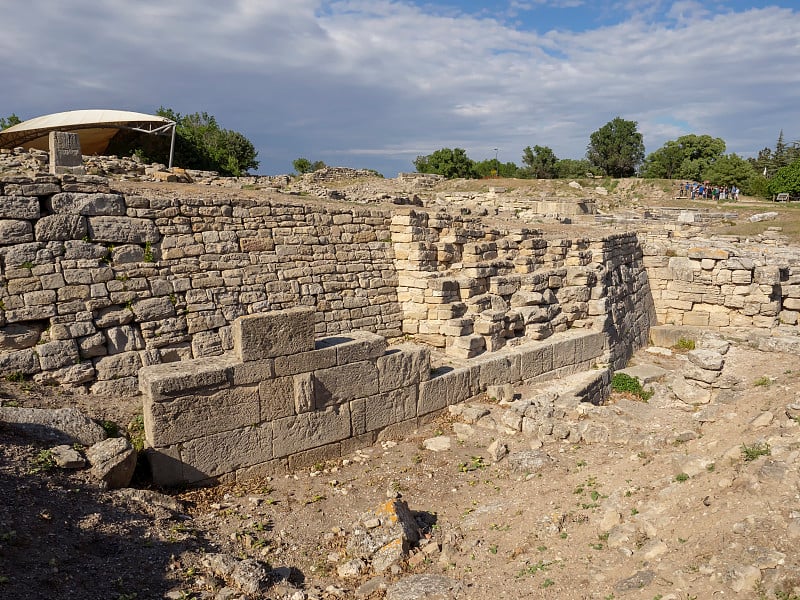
(730, 170)
(494, 168)
(786, 179)
(569, 168)
(303, 165)
(449, 162)
(688, 157)
(200, 143)
(9, 121)
(616, 147)
(541, 161)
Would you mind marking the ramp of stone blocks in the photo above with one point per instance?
(544, 412)
(282, 399)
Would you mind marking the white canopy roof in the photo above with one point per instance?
(95, 128)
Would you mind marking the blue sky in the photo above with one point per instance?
(374, 83)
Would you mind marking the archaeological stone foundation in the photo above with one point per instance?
(256, 328)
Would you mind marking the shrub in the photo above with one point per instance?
(625, 384)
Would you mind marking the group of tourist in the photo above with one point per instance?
(706, 191)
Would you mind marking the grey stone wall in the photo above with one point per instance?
(281, 399)
(95, 284)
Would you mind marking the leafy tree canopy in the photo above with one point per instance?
(449, 162)
(688, 157)
(303, 165)
(494, 168)
(569, 168)
(541, 162)
(786, 179)
(730, 170)
(616, 147)
(9, 121)
(200, 143)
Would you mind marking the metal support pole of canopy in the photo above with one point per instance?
(172, 145)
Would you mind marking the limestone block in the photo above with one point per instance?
(19, 207)
(69, 375)
(87, 204)
(19, 337)
(60, 227)
(535, 359)
(495, 370)
(703, 375)
(589, 347)
(355, 346)
(741, 277)
(20, 361)
(124, 339)
(304, 393)
(200, 414)
(277, 398)
(113, 461)
(15, 232)
(218, 454)
(55, 355)
(310, 430)
(444, 389)
(344, 383)
(164, 381)
(123, 386)
(61, 425)
(708, 253)
(305, 362)
(122, 230)
(563, 351)
(153, 309)
(125, 364)
(377, 412)
(696, 318)
(403, 365)
(254, 371)
(791, 303)
(278, 333)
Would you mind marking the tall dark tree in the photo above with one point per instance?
(449, 162)
(617, 148)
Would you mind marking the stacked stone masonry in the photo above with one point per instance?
(719, 284)
(281, 399)
(95, 284)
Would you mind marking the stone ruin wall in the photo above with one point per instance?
(722, 283)
(94, 284)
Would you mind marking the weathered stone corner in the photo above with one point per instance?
(269, 335)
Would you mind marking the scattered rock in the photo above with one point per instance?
(497, 450)
(248, 575)
(425, 587)
(113, 461)
(528, 461)
(706, 359)
(691, 394)
(767, 216)
(440, 443)
(67, 457)
(388, 543)
(762, 420)
(60, 425)
(637, 581)
(352, 569)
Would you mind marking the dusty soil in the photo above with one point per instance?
(668, 507)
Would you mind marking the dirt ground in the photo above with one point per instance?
(677, 503)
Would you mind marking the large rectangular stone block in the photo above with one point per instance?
(403, 365)
(122, 230)
(376, 412)
(344, 383)
(589, 347)
(19, 207)
(563, 351)
(277, 398)
(200, 414)
(354, 346)
(161, 382)
(272, 334)
(214, 455)
(443, 390)
(310, 430)
(535, 359)
(495, 370)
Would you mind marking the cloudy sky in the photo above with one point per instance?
(375, 83)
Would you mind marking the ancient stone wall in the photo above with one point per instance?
(95, 284)
(281, 399)
(718, 283)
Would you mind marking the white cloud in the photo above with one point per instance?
(367, 81)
